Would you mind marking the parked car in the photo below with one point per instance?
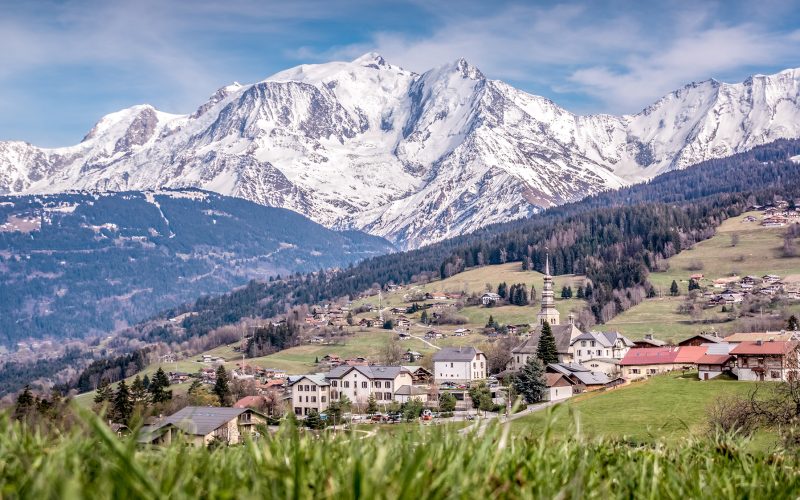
(394, 418)
(427, 415)
(378, 417)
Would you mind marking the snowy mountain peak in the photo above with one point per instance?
(413, 157)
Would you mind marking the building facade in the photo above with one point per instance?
(459, 365)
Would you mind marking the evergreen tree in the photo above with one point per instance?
(424, 317)
(447, 402)
(491, 323)
(313, 421)
(146, 382)
(564, 292)
(530, 381)
(388, 324)
(589, 291)
(792, 323)
(693, 285)
(104, 393)
(502, 290)
(547, 350)
(673, 288)
(579, 292)
(139, 394)
(158, 384)
(123, 406)
(569, 292)
(350, 318)
(25, 404)
(221, 389)
(372, 405)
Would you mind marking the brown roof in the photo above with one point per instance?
(765, 336)
(776, 347)
(713, 359)
(552, 380)
(250, 401)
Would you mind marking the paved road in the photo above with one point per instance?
(479, 427)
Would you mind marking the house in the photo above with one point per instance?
(359, 382)
(700, 339)
(582, 378)
(564, 335)
(459, 364)
(609, 366)
(419, 374)
(731, 298)
(408, 392)
(366, 322)
(766, 360)
(411, 356)
(255, 402)
(403, 336)
(310, 393)
(738, 338)
(713, 365)
(647, 361)
(649, 341)
(461, 332)
(357, 361)
(559, 387)
(770, 278)
(599, 345)
(201, 425)
(178, 377)
(433, 334)
(490, 299)
(402, 322)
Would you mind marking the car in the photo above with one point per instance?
(377, 417)
(427, 415)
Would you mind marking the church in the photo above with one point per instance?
(564, 334)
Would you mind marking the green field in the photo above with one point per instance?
(667, 406)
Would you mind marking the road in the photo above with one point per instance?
(479, 427)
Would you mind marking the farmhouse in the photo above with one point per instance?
(599, 345)
(459, 364)
(359, 382)
(738, 338)
(559, 387)
(201, 425)
(700, 339)
(770, 360)
(582, 378)
(644, 362)
(490, 299)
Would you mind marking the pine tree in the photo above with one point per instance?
(491, 323)
(424, 317)
(160, 382)
(25, 404)
(313, 421)
(104, 393)
(569, 292)
(792, 323)
(502, 290)
(579, 292)
(372, 405)
(350, 318)
(673, 288)
(564, 292)
(139, 394)
(221, 389)
(530, 382)
(123, 406)
(146, 382)
(547, 350)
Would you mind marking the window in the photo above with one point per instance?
(364, 385)
(774, 374)
(322, 399)
(451, 365)
(579, 352)
(379, 396)
(313, 399)
(592, 342)
(387, 396)
(635, 370)
(388, 385)
(308, 388)
(599, 352)
(583, 344)
(334, 383)
(481, 365)
(346, 384)
(334, 394)
(652, 371)
(300, 388)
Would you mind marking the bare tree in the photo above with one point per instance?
(391, 352)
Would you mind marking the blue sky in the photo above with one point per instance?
(63, 64)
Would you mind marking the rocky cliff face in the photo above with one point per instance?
(413, 158)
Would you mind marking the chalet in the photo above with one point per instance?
(732, 298)
(459, 364)
(490, 299)
(178, 377)
(770, 360)
(461, 332)
(438, 296)
(512, 329)
(433, 334)
(609, 366)
(366, 322)
(419, 375)
(331, 360)
(559, 387)
(316, 340)
(201, 425)
(649, 341)
(700, 339)
(770, 278)
(407, 393)
(716, 361)
(397, 310)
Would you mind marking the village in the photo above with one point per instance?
(454, 382)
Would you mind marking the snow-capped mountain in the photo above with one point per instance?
(411, 157)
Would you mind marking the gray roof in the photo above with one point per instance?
(410, 390)
(605, 339)
(371, 372)
(584, 375)
(456, 354)
(317, 378)
(720, 348)
(562, 333)
(202, 420)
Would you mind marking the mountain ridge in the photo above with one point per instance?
(415, 158)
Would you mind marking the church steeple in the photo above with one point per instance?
(548, 311)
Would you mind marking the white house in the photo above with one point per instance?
(558, 387)
(490, 298)
(594, 345)
(459, 364)
(309, 393)
(359, 382)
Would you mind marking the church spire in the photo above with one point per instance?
(547, 264)
(548, 311)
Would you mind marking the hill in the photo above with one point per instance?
(82, 264)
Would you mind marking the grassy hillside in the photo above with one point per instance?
(668, 406)
(757, 252)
